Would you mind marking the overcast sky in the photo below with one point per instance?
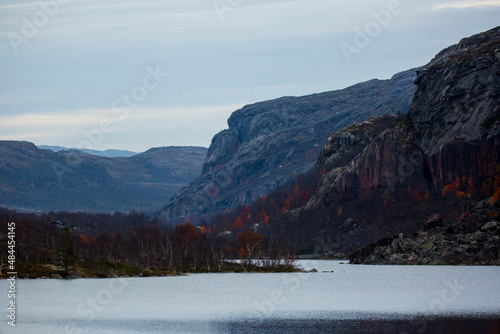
(140, 74)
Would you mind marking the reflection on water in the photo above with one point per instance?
(371, 325)
(339, 298)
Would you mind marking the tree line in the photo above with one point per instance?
(274, 228)
(135, 239)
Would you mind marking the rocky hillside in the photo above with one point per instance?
(474, 238)
(452, 130)
(447, 146)
(269, 143)
(37, 179)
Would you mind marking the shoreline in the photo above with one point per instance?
(102, 270)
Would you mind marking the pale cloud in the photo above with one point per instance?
(16, 6)
(165, 125)
(466, 4)
(50, 120)
(64, 79)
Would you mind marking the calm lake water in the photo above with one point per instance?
(351, 299)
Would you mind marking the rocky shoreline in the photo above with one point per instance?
(472, 239)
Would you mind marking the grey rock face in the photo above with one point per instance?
(452, 130)
(457, 108)
(269, 143)
(380, 155)
(493, 225)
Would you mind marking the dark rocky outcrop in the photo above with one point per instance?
(365, 159)
(452, 130)
(42, 180)
(457, 109)
(269, 143)
(472, 239)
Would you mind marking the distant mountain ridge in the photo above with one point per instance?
(72, 180)
(110, 153)
(269, 143)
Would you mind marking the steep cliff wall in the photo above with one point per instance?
(269, 143)
(452, 130)
(457, 109)
(388, 172)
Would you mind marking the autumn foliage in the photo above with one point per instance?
(496, 189)
(135, 239)
(461, 188)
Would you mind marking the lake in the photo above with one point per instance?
(351, 299)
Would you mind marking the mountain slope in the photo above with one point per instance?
(35, 179)
(269, 143)
(439, 157)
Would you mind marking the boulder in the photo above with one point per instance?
(491, 226)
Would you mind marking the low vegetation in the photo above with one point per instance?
(101, 245)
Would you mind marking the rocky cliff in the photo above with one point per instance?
(38, 179)
(452, 131)
(457, 109)
(269, 143)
